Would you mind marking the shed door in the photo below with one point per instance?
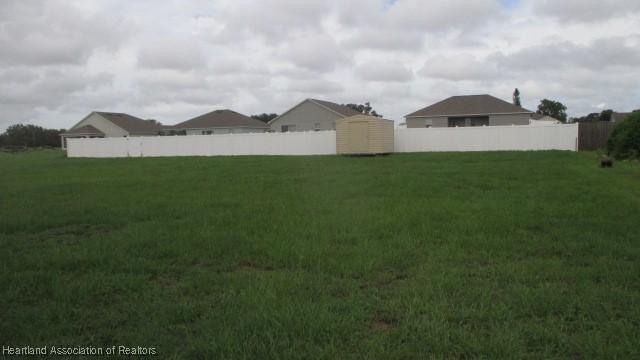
(359, 137)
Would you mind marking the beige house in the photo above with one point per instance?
(472, 110)
(108, 124)
(311, 115)
(217, 122)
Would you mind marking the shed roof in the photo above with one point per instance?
(363, 117)
(220, 118)
(469, 105)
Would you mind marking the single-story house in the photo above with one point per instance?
(311, 115)
(472, 110)
(617, 117)
(109, 124)
(540, 119)
(217, 122)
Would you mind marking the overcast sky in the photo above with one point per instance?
(174, 59)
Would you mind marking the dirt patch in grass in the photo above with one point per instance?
(71, 234)
(385, 280)
(382, 322)
(249, 266)
(164, 281)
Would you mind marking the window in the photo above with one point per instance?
(287, 128)
(428, 123)
(317, 127)
(457, 122)
(469, 121)
(480, 121)
(207, 132)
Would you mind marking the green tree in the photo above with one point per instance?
(30, 136)
(516, 98)
(555, 109)
(265, 117)
(605, 115)
(365, 109)
(624, 142)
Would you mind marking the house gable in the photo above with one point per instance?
(101, 123)
(308, 115)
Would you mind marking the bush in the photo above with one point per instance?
(624, 142)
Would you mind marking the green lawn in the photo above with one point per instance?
(474, 255)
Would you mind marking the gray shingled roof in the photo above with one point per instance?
(469, 105)
(132, 124)
(220, 118)
(84, 130)
(340, 109)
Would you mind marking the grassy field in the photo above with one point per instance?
(474, 255)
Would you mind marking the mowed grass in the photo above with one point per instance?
(474, 255)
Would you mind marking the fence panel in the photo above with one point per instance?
(594, 135)
(294, 143)
(488, 138)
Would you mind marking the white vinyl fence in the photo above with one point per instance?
(292, 143)
(488, 138)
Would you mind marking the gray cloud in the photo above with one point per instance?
(52, 32)
(393, 71)
(170, 60)
(585, 10)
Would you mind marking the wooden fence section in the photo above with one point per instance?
(594, 135)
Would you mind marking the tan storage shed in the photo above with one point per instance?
(364, 135)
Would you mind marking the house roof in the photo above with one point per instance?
(220, 118)
(469, 105)
(132, 124)
(337, 109)
(340, 109)
(84, 130)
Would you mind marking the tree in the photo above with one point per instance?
(265, 117)
(555, 109)
(30, 136)
(365, 109)
(624, 142)
(605, 115)
(516, 98)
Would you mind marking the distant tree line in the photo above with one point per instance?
(365, 109)
(30, 136)
(264, 117)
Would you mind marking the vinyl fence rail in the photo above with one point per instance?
(294, 143)
(488, 138)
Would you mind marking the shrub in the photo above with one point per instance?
(624, 142)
